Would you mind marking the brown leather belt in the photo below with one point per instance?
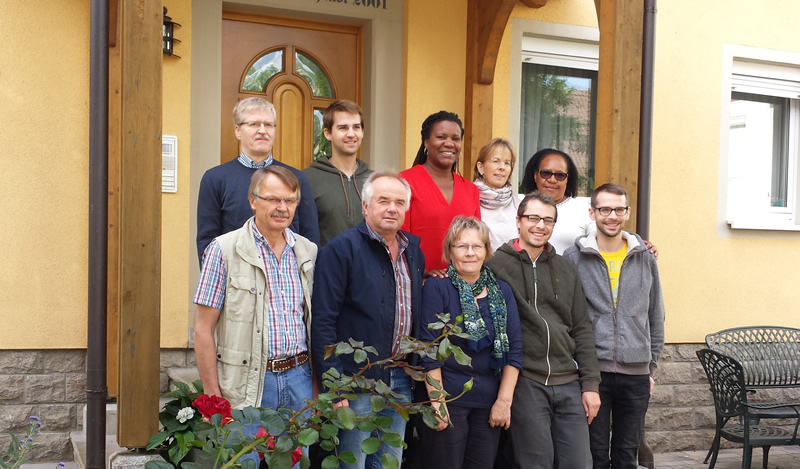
(284, 364)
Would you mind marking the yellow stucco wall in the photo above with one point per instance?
(176, 242)
(44, 98)
(712, 281)
(434, 68)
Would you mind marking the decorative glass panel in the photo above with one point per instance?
(262, 70)
(321, 146)
(558, 108)
(310, 70)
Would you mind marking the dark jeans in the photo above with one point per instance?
(623, 400)
(470, 443)
(548, 426)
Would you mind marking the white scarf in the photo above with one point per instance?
(491, 198)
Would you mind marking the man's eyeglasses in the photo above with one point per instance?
(277, 200)
(535, 219)
(606, 211)
(258, 124)
(547, 174)
(464, 248)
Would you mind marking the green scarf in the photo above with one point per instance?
(473, 321)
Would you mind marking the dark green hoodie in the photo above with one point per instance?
(557, 337)
(338, 197)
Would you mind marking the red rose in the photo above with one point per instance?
(213, 405)
(297, 454)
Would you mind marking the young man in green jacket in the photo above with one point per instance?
(556, 395)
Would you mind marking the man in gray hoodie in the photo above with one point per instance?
(336, 180)
(627, 312)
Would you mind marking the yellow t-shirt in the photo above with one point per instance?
(614, 264)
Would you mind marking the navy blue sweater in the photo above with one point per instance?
(223, 206)
(440, 296)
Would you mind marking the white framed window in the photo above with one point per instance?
(760, 139)
(558, 99)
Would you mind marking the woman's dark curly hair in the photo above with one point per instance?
(529, 183)
(427, 127)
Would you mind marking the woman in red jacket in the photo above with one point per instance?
(438, 193)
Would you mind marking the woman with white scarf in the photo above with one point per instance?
(499, 204)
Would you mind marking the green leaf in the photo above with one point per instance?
(191, 465)
(415, 374)
(330, 462)
(329, 429)
(285, 444)
(308, 437)
(234, 439)
(156, 440)
(429, 418)
(371, 350)
(176, 454)
(382, 421)
(392, 439)
(377, 403)
(273, 423)
(247, 464)
(305, 463)
(360, 356)
(356, 343)
(433, 382)
(382, 387)
(327, 445)
(389, 461)
(370, 445)
(159, 465)
(347, 417)
(280, 459)
(401, 410)
(444, 350)
(461, 357)
(343, 348)
(251, 414)
(444, 317)
(366, 426)
(184, 440)
(347, 457)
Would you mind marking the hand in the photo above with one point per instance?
(442, 421)
(500, 415)
(342, 403)
(652, 385)
(652, 248)
(591, 404)
(438, 273)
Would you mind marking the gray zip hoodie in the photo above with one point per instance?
(629, 337)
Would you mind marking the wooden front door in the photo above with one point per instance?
(301, 66)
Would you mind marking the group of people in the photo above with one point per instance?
(293, 261)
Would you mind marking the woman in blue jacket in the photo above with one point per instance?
(468, 428)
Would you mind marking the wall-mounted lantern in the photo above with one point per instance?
(168, 34)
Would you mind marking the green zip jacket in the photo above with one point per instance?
(557, 337)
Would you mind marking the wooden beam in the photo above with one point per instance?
(618, 97)
(140, 221)
(486, 22)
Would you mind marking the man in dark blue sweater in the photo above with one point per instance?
(222, 203)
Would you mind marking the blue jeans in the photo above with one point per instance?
(623, 400)
(549, 427)
(287, 389)
(350, 440)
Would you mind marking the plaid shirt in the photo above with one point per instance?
(285, 303)
(245, 160)
(402, 286)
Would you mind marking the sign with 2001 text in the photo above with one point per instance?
(359, 3)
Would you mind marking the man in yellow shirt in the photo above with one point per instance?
(623, 294)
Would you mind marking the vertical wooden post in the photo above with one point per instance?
(140, 221)
(486, 22)
(618, 97)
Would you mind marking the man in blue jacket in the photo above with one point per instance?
(367, 287)
(222, 203)
(623, 294)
